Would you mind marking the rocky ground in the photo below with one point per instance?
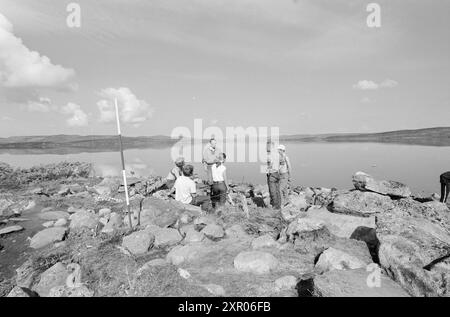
(65, 232)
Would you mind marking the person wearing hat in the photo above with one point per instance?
(273, 175)
(285, 174)
(220, 183)
(445, 186)
(176, 172)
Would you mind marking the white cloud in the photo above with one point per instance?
(42, 105)
(389, 83)
(366, 85)
(131, 109)
(21, 67)
(371, 85)
(78, 117)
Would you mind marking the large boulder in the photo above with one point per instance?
(339, 224)
(311, 237)
(54, 276)
(47, 236)
(83, 219)
(213, 232)
(164, 237)
(414, 244)
(334, 259)
(138, 242)
(186, 253)
(306, 227)
(192, 235)
(362, 204)
(255, 262)
(365, 182)
(356, 283)
(164, 213)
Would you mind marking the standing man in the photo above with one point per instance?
(285, 174)
(273, 175)
(210, 155)
(220, 182)
(445, 186)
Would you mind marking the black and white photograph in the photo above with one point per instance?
(224, 155)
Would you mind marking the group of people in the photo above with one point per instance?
(180, 179)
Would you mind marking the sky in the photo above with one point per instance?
(305, 66)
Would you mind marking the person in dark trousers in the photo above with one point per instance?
(220, 182)
(445, 186)
(186, 190)
(210, 154)
(273, 175)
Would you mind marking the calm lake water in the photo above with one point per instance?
(314, 164)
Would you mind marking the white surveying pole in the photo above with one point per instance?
(127, 198)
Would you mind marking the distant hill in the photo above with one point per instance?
(439, 136)
(66, 144)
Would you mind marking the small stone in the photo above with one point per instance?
(183, 273)
(286, 282)
(333, 259)
(213, 231)
(47, 236)
(138, 242)
(193, 235)
(10, 229)
(48, 224)
(18, 292)
(215, 289)
(165, 237)
(83, 219)
(255, 262)
(202, 222)
(60, 222)
(72, 210)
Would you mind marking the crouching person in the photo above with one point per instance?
(186, 190)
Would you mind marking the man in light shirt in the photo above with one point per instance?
(210, 154)
(186, 190)
(220, 182)
(273, 175)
